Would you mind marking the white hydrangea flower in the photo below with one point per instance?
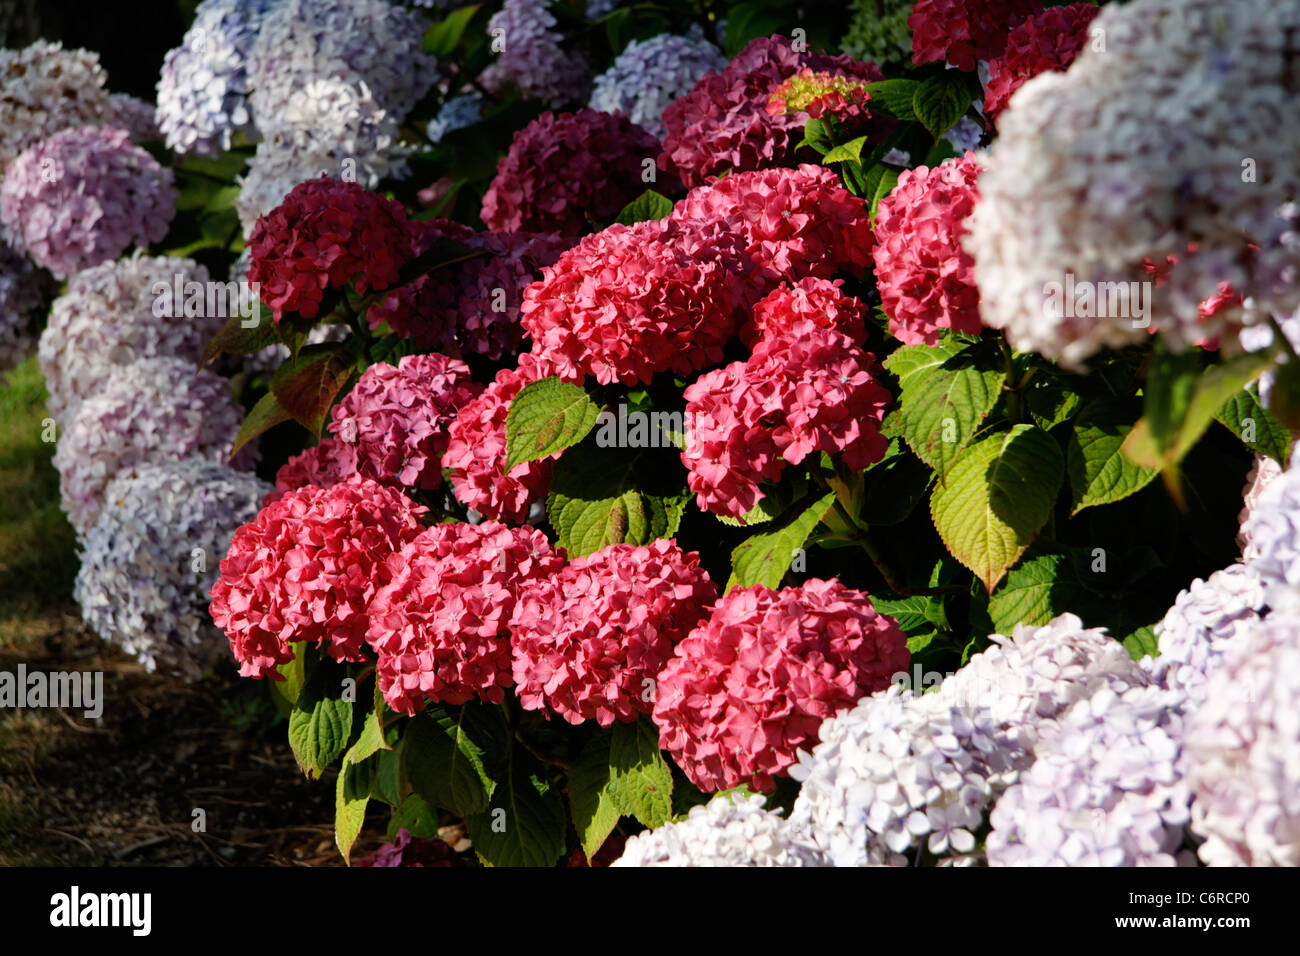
(1273, 530)
(107, 318)
(1241, 747)
(1057, 203)
(1104, 789)
(22, 290)
(649, 74)
(48, 89)
(730, 830)
(530, 56)
(149, 563)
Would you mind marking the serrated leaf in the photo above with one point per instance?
(442, 38)
(999, 493)
(262, 417)
(914, 613)
(882, 188)
(761, 513)
(765, 558)
(371, 739)
(850, 152)
(591, 794)
(446, 752)
(1033, 593)
(390, 784)
(648, 205)
(1143, 643)
(305, 385)
(816, 137)
(321, 720)
(234, 339)
(894, 97)
(352, 791)
(641, 779)
(524, 824)
(416, 815)
(1245, 416)
(1099, 472)
(940, 102)
(547, 416)
(294, 673)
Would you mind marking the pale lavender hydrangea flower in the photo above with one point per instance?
(531, 56)
(1105, 788)
(48, 89)
(22, 291)
(964, 136)
(650, 74)
(1273, 530)
(82, 196)
(457, 113)
(149, 563)
(1261, 475)
(730, 830)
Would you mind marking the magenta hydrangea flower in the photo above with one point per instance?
(82, 197)
(750, 686)
(306, 569)
(1048, 40)
(964, 31)
(926, 277)
(396, 417)
(440, 625)
(590, 641)
(324, 464)
(814, 300)
(565, 172)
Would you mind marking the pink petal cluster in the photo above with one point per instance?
(806, 388)
(818, 93)
(566, 172)
(306, 568)
(326, 463)
(750, 686)
(926, 278)
(82, 196)
(471, 307)
(1048, 40)
(396, 417)
(325, 234)
(476, 448)
(631, 301)
(590, 641)
(794, 222)
(814, 300)
(723, 125)
(440, 625)
(964, 31)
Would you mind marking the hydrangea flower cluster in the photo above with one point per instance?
(440, 625)
(326, 234)
(879, 32)
(805, 389)
(48, 89)
(153, 411)
(22, 290)
(1105, 788)
(306, 568)
(810, 300)
(150, 561)
(203, 89)
(1054, 201)
(324, 464)
(396, 417)
(844, 97)
(722, 125)
(1048, 40)
(732, 829)
(752, 684)
(1261, 475)
(926, 278)
(964, 31)
(564, 172)
(590, 641)
(109, 317)
(532, 59)
(649, 74)
(82, 196)
(631, 301)
(1273, 530)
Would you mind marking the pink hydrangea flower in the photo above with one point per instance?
(750, 686)
(440, 625)
(818, 301)
(396, 417)
(306, 568)
(926, 277)
(1048, 40)
(964, 31)
(590, 641)
(324, 464)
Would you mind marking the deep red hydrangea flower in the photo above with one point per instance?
(325, 234)
(752, 684)
(806, 388)
(440, 625)
(795, 222)
(396, 417)
(1048, 40)
(306, 568)
(631, 301)
(723, 125)
(590, 641)
(472, 307)
(407, 850)
(564, 172)
(818, 301)
(964, 31)
(926, 277)
(476, 448)
(326, 463)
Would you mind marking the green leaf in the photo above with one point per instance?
(883, 187)
(1050, 402)
(305, 385)
(1284, 399)
(1034, 592)
(850, 152)
(894, 97)
(893, 487)
(914, 613)
(591, 794)
(815, 136)
(390, 784)
(294, 673)
(999, 493)
(1143, 643)
(1099, 472)
(262, 417)
(352, 792)
(1245, 416)
(765, 558)
(641, 779)
(234, 339)
(442, 38)
(746, 21)
(947, 390)
(941, 101)
(524, 824)
(416, 815)
(321, 720)
(371, 739)
(446, 753)
(761, 513)
(648, 205)
(547, 416)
